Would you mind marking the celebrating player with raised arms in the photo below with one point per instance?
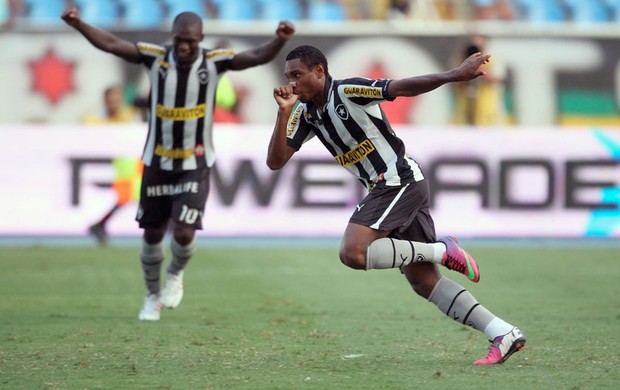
(178, 154)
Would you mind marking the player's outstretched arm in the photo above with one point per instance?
(279, 152)
(265, 52)
(101, 39)
(413, 86)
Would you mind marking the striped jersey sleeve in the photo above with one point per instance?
(222, 59)
(364, 91)
(150, 53)
(298, 130)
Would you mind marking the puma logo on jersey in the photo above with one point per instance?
(359, 207)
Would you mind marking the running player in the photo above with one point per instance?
(178, 154)
(392, 226)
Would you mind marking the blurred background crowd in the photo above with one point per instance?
(51, 76)
(134, 14)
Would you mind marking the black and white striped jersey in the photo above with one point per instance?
(354, 129)
(181, 104)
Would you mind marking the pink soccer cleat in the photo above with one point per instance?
(456, 259)
(502, 347)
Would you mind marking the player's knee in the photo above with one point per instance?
(352, 258)
(154, 235)
(183, 235)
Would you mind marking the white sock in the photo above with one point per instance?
(439, 248)
(497, 327)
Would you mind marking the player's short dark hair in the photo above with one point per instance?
(186, 19)
(309, 56)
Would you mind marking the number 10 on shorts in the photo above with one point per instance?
(188, 215)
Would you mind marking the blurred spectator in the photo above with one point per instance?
(127, 170)
(430, 9)
(227, 97)
(226, 102)
(450, 9)
(413, 9)
(493, 10)
(399, 9)
(424, 10)
(114, 109)
(366, 9)
(480, 102)
(126, 185)
(9, 10)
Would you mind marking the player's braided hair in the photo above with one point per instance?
(309, 56)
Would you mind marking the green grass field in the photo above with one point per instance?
(286, 318)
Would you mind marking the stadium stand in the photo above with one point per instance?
(175, 7)
(9, 11)
(235, 10)
(541, 11)
(101, 13)
(142, 14)
(326, 11)
(614, 7)
(44, 13)
(274, 10)
(587, 12)
(155, 14)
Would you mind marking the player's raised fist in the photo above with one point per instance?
(71, 16)
(285, 30)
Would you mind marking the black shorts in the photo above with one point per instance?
(180, 196)
(404, 211)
